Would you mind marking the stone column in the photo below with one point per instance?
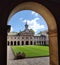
(16, 43)
(24, 42)
(41, 42)
(33, 42)
(53, 44)
(29, 42)
(20, 42)
(13, 43)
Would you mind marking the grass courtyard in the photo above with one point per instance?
(32, 50)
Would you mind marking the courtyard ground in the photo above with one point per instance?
(29, 61)
(31, 50)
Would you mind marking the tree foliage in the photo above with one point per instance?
(32, 31)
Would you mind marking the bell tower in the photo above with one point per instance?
(26, 26)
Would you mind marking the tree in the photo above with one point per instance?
(32, 31)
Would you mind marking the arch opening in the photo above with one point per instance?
(50, 21)
(27, 43)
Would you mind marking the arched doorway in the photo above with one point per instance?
(27, 43)
(14, 42)
(31, 42)
(51, 26)
(22, 43)
(18, 42)
(11, 42)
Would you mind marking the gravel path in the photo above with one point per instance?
(28, 61)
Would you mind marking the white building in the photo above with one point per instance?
(27, 37)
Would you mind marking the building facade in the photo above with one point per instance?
(27, 37)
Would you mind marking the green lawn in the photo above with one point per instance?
(32, 50)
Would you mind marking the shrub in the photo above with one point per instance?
(20, 55)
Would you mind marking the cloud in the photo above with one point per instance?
(33, 24)
(11, 30)
(34, 13)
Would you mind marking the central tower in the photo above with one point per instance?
(26, 26)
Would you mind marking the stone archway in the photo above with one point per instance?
(11, 42)
(18, 43)
(50, 22)
(14, 42)
(27, 42)
(22, 42)
(31, 43)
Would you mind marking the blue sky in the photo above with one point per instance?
(33, 19)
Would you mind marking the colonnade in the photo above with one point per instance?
(27, 43)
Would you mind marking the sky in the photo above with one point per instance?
(34, 20)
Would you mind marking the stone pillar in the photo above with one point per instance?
(13, 43)
(20, 42)
(41, 42)
(29, 40)
(53, 44)
(33, 42)
(24, 42)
